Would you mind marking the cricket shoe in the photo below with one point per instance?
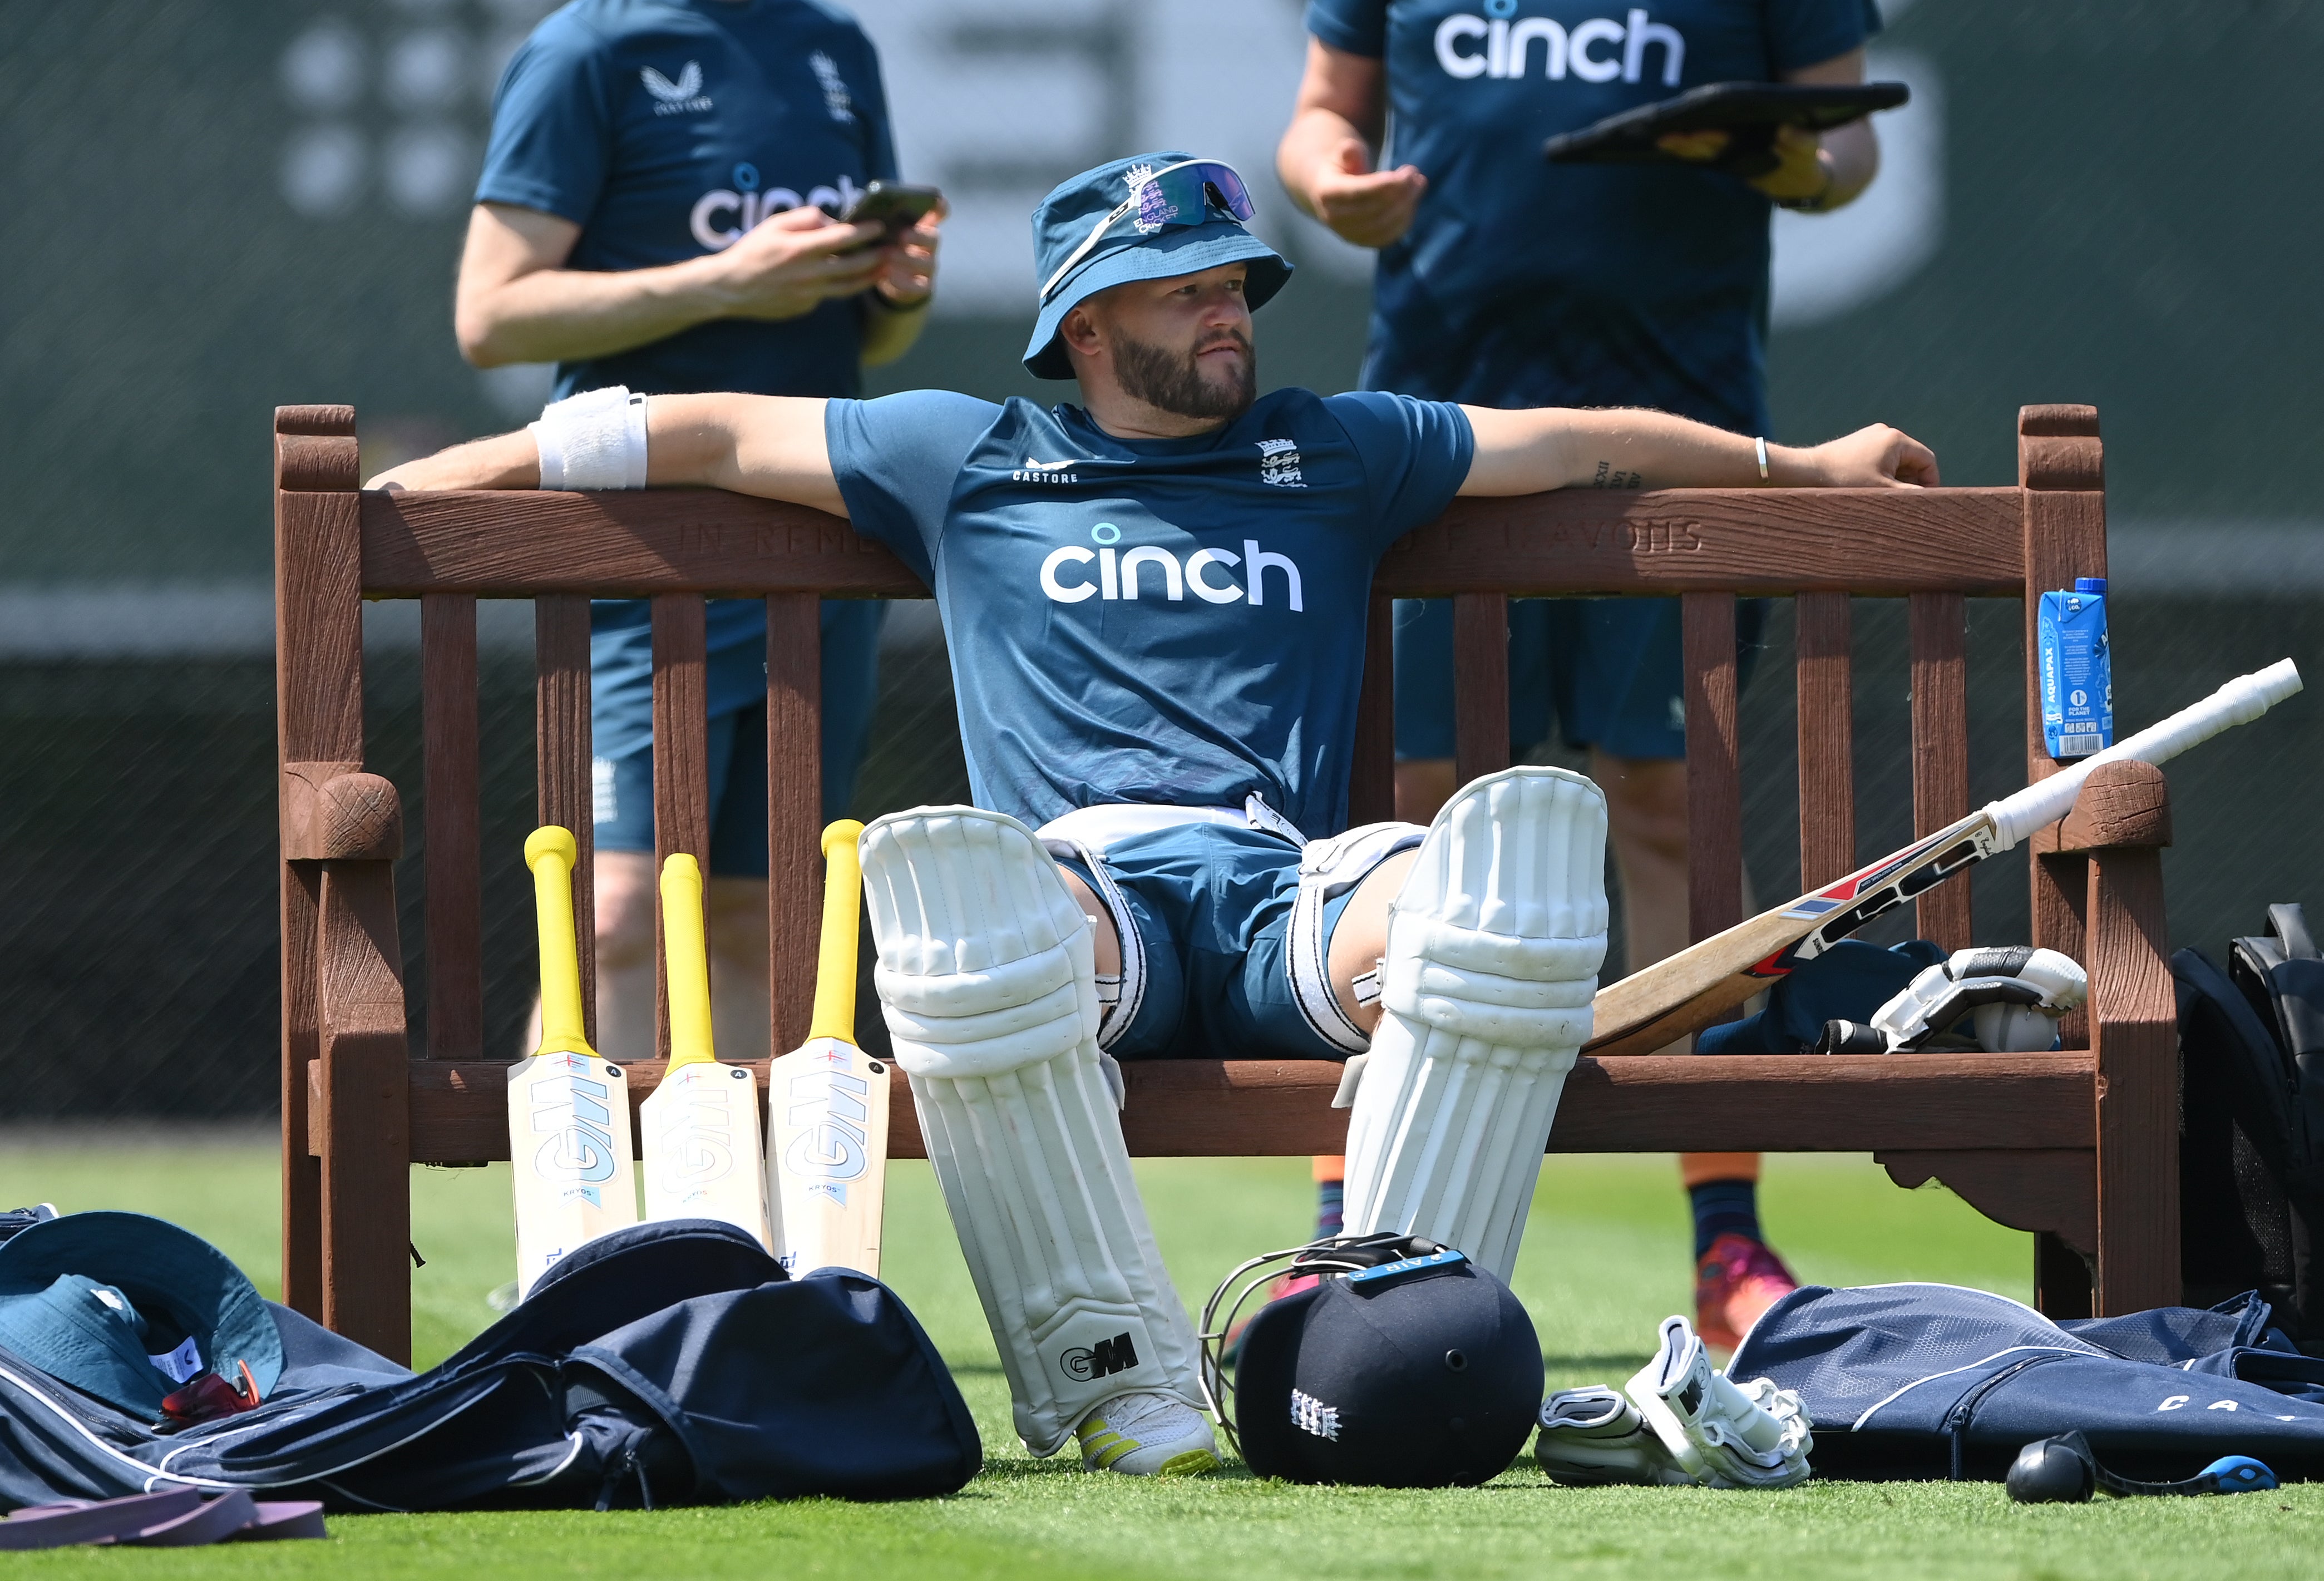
(1146, 1434)
(1737, 1280)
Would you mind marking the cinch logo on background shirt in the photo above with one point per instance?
(1119, 572)
(1596, 50)
(749, 206)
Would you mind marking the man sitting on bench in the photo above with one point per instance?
(1156, 604)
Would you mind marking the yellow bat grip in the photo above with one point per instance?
(834, 963)
(550, 853)
(687, 954)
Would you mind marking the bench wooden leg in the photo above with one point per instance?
(364, 1126)
(2135, 1035)
(302, 1175)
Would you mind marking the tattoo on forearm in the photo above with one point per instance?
(1608, 478)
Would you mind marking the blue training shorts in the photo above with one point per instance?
(624, 785)
(1611, 669)
(1213, 906)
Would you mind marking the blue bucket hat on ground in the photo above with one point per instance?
(1118, 223)
(131, 1308)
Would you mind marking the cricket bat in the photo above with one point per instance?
(701, 1125)
(827, 1101)
(568, 1109)
(1688, 991)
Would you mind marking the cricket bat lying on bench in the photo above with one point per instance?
(1688, 991)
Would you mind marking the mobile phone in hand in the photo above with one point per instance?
(895, 206)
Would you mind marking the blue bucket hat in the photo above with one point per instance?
(131, 1308)
(1094, 232)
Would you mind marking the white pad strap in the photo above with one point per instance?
(1494, 945)
(1724, 1434)
(987, 981)
(1329, 869)
(594, 440)
(1117, 996)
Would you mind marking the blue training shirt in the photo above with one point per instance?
(665, 129)
(1524, 283)
(1158, 620)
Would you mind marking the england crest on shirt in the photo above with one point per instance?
(1278, 464)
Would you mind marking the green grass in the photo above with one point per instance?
(1606, 1257)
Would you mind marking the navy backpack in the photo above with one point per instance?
(1933, 1381)
(672, 1363)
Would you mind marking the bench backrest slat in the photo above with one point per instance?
(560, 640)
(1826, 690)
(1481, 683)
(1939, 636)
(1372, 783)
(453, 933)
(794, 815)
(1714, 781)
(681, 763)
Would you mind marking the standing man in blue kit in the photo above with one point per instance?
(1504, 281)
(656, 211)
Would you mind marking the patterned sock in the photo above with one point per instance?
(1328, 1197)
(1724, 1208)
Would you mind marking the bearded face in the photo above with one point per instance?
(1185, 383)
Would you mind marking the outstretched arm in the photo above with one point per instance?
(772, 445)
(1551, 447)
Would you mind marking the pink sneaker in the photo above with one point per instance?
(1737, 1280)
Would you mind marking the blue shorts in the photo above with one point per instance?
(1214, 910)
(1611, 669)
(623, 714)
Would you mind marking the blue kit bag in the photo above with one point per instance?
(667, 1364)
(1934, 1381)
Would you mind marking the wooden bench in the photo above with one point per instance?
(2078, 1146)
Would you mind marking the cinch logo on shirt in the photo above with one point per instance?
(676, 98)
(1118, 572)
(749, 206)
(1468, 45)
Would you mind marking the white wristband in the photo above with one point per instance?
(1762, 442)
(594, 440)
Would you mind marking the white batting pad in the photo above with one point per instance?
(988, 983)
(1722, 1433)
(1493, 949)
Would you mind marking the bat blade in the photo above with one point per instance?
(827, 1102)
(828, 1155)
(701, 1125)
(701, 1131)
(1688, 991)
(568, 1109)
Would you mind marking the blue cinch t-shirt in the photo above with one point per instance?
(1525, 283)
(1178, 621)
(665, 129)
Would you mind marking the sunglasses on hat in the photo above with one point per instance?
(1182, 194)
